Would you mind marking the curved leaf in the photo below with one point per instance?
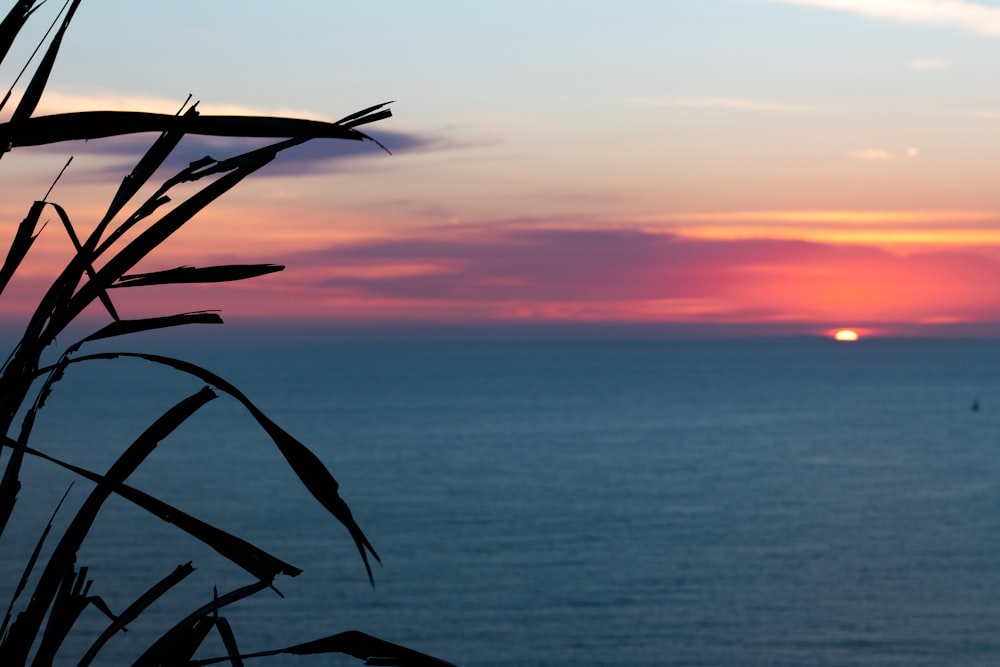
(30, 565)
(190, 274)
(126, 327)
(17, 644)
(69, 603)
(33, 93)
(196, 170)
(143, 244)
(13, 22)
(372, 650)
(41, 130)
(303, 462)
(169, 649)
(368, 648)
(133, 610)
(86, 258)
(143, 171)
(21, 243)
(254, 560)
(374, 113)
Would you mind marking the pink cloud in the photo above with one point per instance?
(622, 273)
(516, 273)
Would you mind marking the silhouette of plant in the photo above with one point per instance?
(100, 264)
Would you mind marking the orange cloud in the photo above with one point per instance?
(511, 272)
(899, 230)
(624, 275)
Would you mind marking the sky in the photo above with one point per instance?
(751, 166)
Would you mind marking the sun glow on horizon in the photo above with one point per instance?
(846, 335)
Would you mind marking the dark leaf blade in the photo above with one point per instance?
(86, 258)
(145, 169)
(21, 244)
(23, 631)
(66, 609)
(30, 565)
(86, 125)
(12, 24)
(304, 463)
(33, 92)
(183, 644)
(208, 274)
(358, 115)
(372, 650)
(162, 650)
(318, 481)
(366, 647)
(145, 243)
(225, 631)
(254, 560)
(371, 118)
(271, 126)
(207, 166)
(127, 327)
(135, 609)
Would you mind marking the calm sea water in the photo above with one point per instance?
(766, 502)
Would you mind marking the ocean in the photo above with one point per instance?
(766, 502)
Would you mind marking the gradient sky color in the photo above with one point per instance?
(791, 165)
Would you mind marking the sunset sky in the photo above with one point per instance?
(779, 166)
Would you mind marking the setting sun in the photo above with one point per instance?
(846, 335)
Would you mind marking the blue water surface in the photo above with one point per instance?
(756, 502)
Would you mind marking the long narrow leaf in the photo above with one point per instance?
(66, 608)
(86, 258)
(33, 93)
(30, 566)
(131, 184)
(207, 274)
(182, 634)
(304, 463)
(126, 327)
(143, 244)
(55, 300)
(12, 24)
(254, 560)
(135, 609)
(25, 628)
(228, 637)
(40, 130)
(206, 166)
(144, 170)
(372, 650)
(184, 643)
(10, 485)
(70, 602)
(239, 167)
(365, 116)
(19, 247)
(368, 648)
